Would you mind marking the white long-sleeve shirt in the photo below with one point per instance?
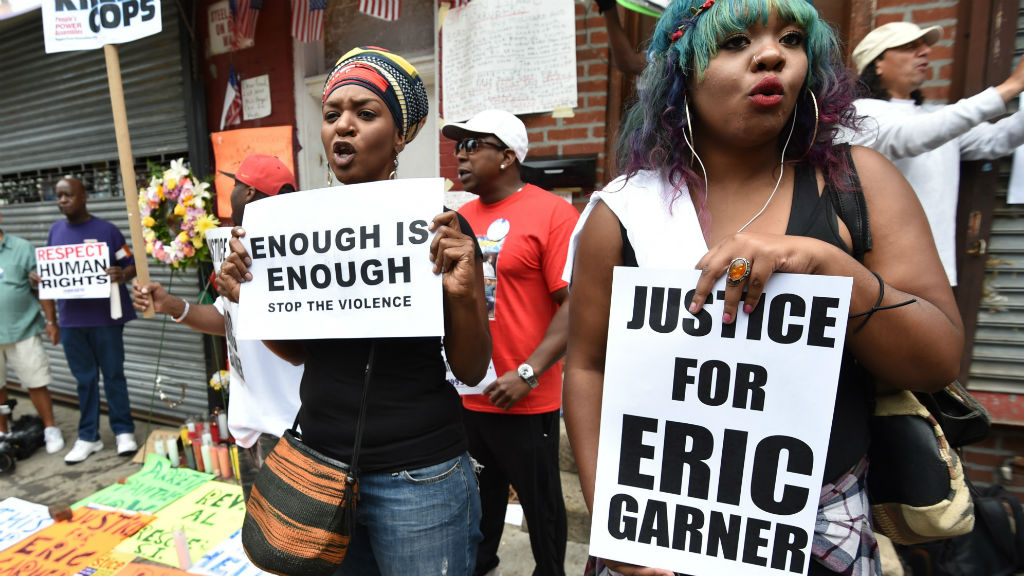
(927, 144)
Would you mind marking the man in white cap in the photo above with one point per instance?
(927, 142)
(513, 426)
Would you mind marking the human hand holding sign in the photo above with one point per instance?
(235, 268)
(453, 255)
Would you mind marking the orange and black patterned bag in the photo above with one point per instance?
(300, 514)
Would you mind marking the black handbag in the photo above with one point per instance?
(301, 512)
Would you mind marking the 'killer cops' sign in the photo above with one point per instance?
(87, 24)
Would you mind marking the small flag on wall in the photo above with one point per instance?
(232, 113)
(383, 9)
(308, 19)
(244, 14)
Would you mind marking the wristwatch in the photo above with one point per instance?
(526, 373)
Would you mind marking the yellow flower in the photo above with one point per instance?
(171, 182)
(148, 222)
(183, 237)
(179, 209)
(197, 241)
(206, 222)
(160, 192)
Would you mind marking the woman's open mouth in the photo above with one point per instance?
(344, 154)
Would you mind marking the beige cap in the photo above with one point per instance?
(888, 36)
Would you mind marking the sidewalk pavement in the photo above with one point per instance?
(45, 479)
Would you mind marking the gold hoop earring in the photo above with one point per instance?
(814, 135)
(330, 175)
(689, 127)
(394, 172)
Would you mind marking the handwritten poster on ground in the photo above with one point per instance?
(230, 147)
(69, 25)
(516, 56)
(149, 489)
(348, 262)
(67, 547)
(227, 559)
(73, 271)
(110, 564)
(208, 515)
(713, 435)
(20, 519)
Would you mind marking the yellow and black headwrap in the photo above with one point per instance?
(390, 77)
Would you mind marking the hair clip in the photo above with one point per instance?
(689, 22)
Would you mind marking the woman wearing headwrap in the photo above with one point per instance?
(419, 506)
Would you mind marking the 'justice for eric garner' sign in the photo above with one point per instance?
(73, 271)
(714, 436)
(343, 262)
(88, 24)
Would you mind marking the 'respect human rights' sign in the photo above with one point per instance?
(714, 436)
(343, 262)
(89, 24)
(73, 271)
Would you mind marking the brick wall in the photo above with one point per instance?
(584, 133)
(927, 13)
(984, 460)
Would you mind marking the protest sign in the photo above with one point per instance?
(713, 435)
(137, 569)
(73, 271)
(68, 547)
(227, 559)
(149, 489)
(110, 564)
(207, 515)
(350, 262)
(461, 387)
(20, 519)
(78, 25)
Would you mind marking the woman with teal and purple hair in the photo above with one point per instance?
(729, 166)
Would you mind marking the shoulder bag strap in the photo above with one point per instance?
(362, 410)
(851, 207)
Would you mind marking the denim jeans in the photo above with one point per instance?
(90, 351)
(421, 522)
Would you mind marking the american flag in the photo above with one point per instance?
(232, 114)
(308, 19)
(243, 20)
(383, 9)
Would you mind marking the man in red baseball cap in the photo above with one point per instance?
(257, 177)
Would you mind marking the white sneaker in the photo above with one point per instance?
(81, 450)
(54, 439)
(126, 445)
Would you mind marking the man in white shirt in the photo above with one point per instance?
(264, 388)
(927, 142)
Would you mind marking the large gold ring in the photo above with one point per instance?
(739, 269)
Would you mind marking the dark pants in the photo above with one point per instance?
(90, 351)
(521, 450)
(250, 460)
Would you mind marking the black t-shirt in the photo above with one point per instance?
(413, 415)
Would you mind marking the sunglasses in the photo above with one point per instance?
(470, 145)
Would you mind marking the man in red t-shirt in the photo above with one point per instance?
(513, 426)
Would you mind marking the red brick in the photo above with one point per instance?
(587, 148)
(589, 117)
(597, 69)
(597, 132)
(941, 53)
(1013, 444)
(542, 150)
(566, 134)
(880, 4)
(597, 101)
(985, 459)
(981, 476)
(886, 18)
(598, 36)
(600, 85)
(926, 16)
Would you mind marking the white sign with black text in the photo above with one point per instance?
(713, 435)
(73, 271)
(86, 25)
(344, 262)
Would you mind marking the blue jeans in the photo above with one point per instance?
(423, 522)
(90, 351)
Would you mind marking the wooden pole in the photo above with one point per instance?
(124, 154)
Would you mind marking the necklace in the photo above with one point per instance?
(782, 167)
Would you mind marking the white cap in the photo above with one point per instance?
(888, 36)
(505, 125)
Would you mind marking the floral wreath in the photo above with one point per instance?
(176, 210)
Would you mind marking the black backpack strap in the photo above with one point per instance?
(850, 206)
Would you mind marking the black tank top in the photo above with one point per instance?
(812, 215)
